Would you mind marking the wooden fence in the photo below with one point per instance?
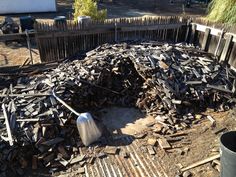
(217, 39)
(56, 42)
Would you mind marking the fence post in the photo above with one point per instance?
(206, 38)
(187, 32)
(115, 32)
(225, 52)
(29, 46)
(218, 45)
(193, 33)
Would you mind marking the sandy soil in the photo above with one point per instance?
(199, 143)
(16, 54)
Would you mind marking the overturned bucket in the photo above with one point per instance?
(228, 154)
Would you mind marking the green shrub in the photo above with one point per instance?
(222, 11)
(88, 8)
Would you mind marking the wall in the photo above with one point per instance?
(27, 6)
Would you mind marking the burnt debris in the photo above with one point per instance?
(170, 82)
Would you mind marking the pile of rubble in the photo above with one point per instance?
(170, 82)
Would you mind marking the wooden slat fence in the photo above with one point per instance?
(215, 38)
(56, 42)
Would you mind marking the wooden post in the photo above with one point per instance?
(219, 42)
(115, 32)
(193, 33)
(10, 139)
(29, 46)
(177, 35)
(224, 54)
(187, 32)
(206, 38)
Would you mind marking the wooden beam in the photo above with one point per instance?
(209, 159)
(15, 36)
(214, 31)
(25, 95)
(219, 43)
(193, 33)
(206, 38)
(51, 34)
(187, 31)
(10, 139)
(224, 54)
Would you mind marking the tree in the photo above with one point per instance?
(88, 8)
(222, 11)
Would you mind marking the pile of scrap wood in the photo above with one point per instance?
(170, 82)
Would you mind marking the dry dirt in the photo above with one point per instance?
(16, 54)
(199, 143)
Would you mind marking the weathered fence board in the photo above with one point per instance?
(221, 43)
(57, 42)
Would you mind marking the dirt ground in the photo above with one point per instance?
(199, 142)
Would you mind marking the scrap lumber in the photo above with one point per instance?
(201, 162)
(10, 138)
(167, 81)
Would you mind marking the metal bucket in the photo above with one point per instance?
(228, 154)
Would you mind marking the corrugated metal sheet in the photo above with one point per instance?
(139, 164)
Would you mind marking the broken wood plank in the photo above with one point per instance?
(201, 162)
(164, 143)
(10, 138)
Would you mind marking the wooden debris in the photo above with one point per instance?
(81, 170)
(34, 162)
(77, 159)
(152, 141)
(53, 141)
(151, 150)
(220, 130)
(140, 135)
(213, 121)
(62, 150)
(101, 155)
(111, 150)
(91, 160)
(10, 138)
(164, 143)
(164, 81)
(209, 159)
